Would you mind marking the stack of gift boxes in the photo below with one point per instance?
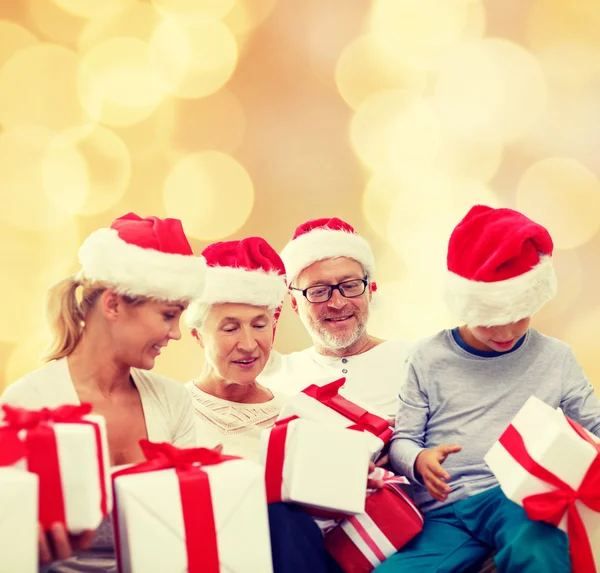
(317, 455)
(192, 510)
(54, 470)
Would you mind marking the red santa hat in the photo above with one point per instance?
(325, 238)
(499, 267)
(148, 257)
(248, 271)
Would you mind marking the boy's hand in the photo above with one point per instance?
(429, 465)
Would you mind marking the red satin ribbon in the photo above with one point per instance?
(363, 420)
(11, 448)
(196, 499)
(42, 453)
(553, 505)
(275, 459)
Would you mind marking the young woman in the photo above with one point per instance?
(110, 322)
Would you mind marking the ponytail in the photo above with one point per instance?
(65, 316)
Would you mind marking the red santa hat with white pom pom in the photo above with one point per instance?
(326, 238)
(499, 267)
(148, 257)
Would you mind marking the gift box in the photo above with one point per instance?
(67, 449)
(18, 511)
(326, 405)
(192, 510)
(362, 542)
(550, 465)
(318, 466)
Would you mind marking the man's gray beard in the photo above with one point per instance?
(331, 340)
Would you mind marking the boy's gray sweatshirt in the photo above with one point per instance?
(451, 396)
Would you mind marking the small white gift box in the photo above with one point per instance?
(68, 450)
(551, 466)
(316, 465)
(18, 521)
(193, 518)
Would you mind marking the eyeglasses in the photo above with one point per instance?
(322, 293)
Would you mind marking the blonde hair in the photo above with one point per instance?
(66, 310)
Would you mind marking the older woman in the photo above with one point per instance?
(234, 322)
(110, 322)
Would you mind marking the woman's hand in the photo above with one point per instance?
(56, 544)
(429, 466)
(373, 482)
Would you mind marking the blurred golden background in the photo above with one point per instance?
(247, 117)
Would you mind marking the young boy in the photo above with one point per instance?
(464, 386)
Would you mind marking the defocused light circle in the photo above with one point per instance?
(469, 157)
(365, 67)
(51, 21)
(564, 196)
(194, 55)
(133, 21)
(378, 199)
(38, 86)
(246, 15)
(415, 138)
(92, 8)
(31, 261)
(119, 87)
(215, 122)
(14, 38)
(419, 34)
(373, 124)
(215, 8)
(476, 20)
(490, 87)
(24, 201)
(415, 302)
(425, 213)
(212, 194)
(554, 22)
(582, 334)
(86, 171)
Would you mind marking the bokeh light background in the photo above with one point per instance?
(247, 117)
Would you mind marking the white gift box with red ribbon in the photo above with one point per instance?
(362, 542)
(304, 461)
(326, 405)
(68, 451)
(18, 510)
(192, 510)
(550, 465)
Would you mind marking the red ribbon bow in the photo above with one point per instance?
(553, 505)
(329, 396)
(23, 419)
(196, 500)
(40, 448)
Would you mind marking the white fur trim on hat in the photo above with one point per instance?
(135, 271)
(256, 287)
(236, 285)
(503, 302)
(324, 243)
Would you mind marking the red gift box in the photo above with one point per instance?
(362, 542)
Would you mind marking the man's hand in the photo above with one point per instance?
(429, 466)
(57, 544)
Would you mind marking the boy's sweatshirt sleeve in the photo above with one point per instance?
(408, 439)
(579, 400)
